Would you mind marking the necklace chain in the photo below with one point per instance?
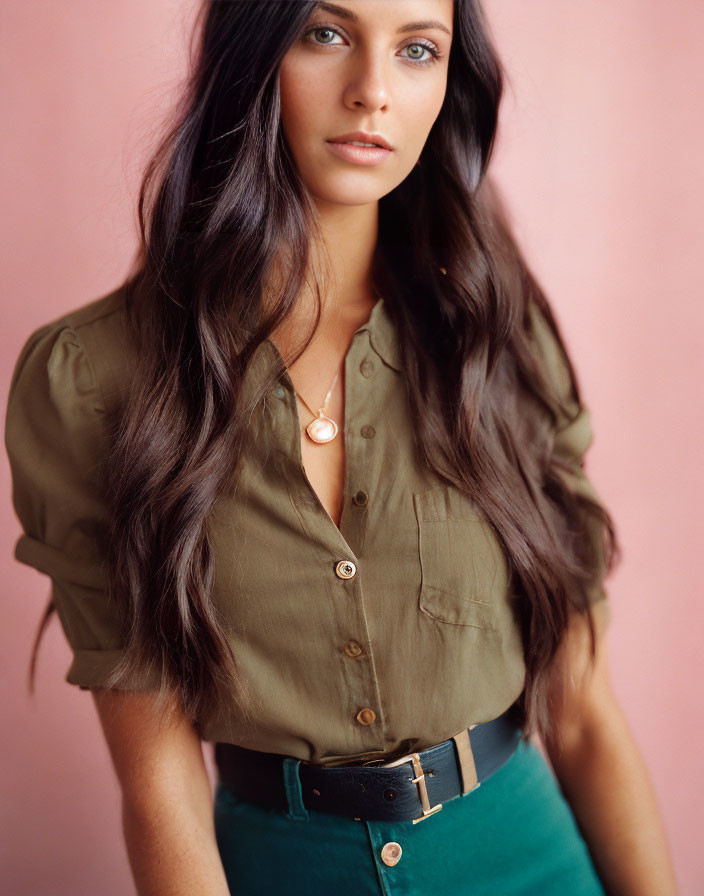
(324, 404)
(322, 428)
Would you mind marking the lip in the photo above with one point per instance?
(362, 137)
(359, 155)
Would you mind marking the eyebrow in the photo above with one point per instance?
(344, 13)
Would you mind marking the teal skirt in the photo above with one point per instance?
(514, 834)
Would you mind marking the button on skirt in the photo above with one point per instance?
(515, 835)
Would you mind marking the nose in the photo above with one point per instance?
(366, 81)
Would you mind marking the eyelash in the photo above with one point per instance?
(435, 53)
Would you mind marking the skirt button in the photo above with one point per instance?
(391, 852)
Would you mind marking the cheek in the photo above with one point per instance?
(422, 107)
(300, 103)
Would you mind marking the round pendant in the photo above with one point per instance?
(322, 429)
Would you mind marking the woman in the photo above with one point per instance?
(310, 486)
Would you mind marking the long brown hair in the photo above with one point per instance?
(221, 201)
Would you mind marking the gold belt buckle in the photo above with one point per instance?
(420, 781)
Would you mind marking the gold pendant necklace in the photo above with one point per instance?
(323, 428)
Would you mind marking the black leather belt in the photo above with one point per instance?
(410, 787)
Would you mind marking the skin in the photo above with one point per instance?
(363, 74)
(365, 79)
(367, 75)
(167, 805)
(601, 770)
(361, 82)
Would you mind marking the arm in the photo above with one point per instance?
(602, 773)
(167, 811)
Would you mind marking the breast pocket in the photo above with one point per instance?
(464, 570)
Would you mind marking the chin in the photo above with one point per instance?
(352, 187)
(349, 194)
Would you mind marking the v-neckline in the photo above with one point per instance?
(298, 449)
(299, 459)
(342, 431)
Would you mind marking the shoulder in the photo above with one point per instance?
(548, 345)
(83, 354)
(573, 426)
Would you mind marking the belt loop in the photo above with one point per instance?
(294, 794)
(466, 757)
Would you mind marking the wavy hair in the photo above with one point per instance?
(221, 203)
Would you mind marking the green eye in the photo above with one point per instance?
(308, 37)
(433, 53)
(320, 30)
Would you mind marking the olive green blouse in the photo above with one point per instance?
(387, 634)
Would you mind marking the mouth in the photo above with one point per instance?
(364, 139)
(364, 154)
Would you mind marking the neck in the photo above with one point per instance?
(340, 264)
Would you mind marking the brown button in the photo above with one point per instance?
(391, 852)
(345, 569)
(366, 367)
(360, 498)
(353, 648)
(368, 432)
(366, 716)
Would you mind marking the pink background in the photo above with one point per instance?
(601, 155)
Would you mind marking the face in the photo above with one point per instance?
(376, 66)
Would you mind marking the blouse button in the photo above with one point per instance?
(360, 498)
(368, 432)
(366, 367)
(353, 648)
(391, 852)
(366, 716)
(345, 569)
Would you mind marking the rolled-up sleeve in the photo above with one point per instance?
(55, 438)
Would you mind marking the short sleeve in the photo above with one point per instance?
(54, 438)
(572, 436)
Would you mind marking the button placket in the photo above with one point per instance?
(367, 715)
(340, 548)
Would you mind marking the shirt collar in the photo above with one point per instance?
(383, 335)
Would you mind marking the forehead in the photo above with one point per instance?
(409, 15)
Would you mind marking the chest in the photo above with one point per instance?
(324, 462)
(418, 546)
(348, 576)
(318, 379)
